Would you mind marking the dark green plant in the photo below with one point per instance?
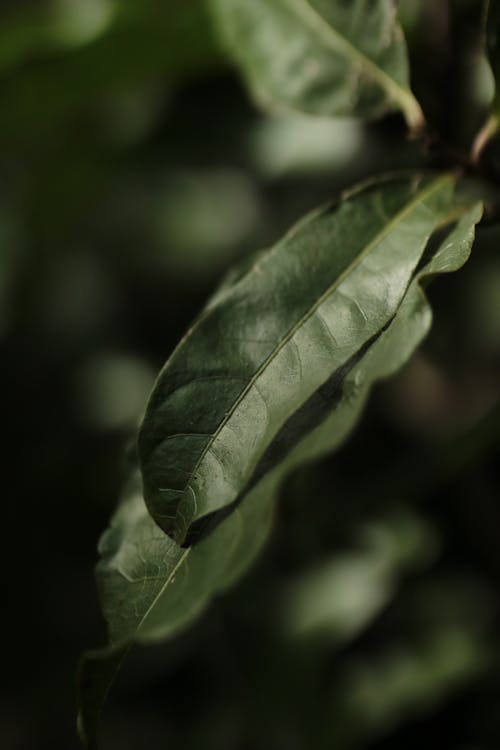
(276, 369)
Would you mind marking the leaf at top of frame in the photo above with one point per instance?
(326, 57)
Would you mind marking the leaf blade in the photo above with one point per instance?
(230, 550)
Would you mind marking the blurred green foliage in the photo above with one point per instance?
(134, 173)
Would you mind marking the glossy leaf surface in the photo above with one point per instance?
(319, 56)
(150, 588)
(267, 358)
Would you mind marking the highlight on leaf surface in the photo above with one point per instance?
(324, 57)
(267, 359)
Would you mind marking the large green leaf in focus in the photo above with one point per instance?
(266, 360)
(326, 57)
(150, 588)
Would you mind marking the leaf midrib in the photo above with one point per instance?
(167, 582)
(359, 258)
(126, 643)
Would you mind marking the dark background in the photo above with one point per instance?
(134, 171)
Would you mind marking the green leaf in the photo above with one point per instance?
(150, 588)
(265, 362)
(324, 57)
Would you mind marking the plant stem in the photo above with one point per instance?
(483, 137)
(414, 117)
